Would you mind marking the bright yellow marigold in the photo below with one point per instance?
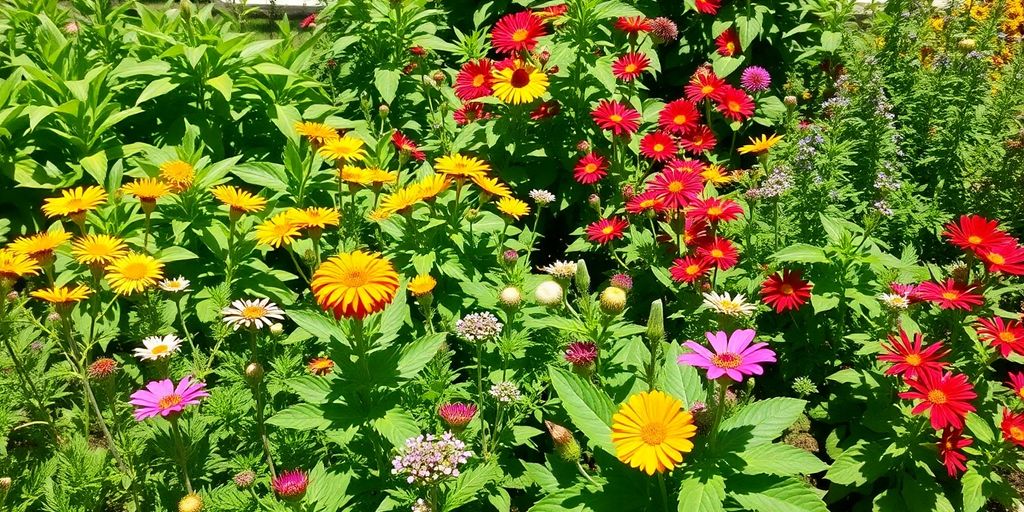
(63, 295)
(343, 149)
(238, 200)
(519, 83)
(432, 186)
(134, 272)
(513, 207)
(147, 190)
(98, 249)
(178, 174)
(75, 202)
(14, 266)
(40, 246)
(421, 285)
(316, 133)
(280, 230)
(315, 217)
(461, 166)
(760, 144)
(492, 186)
(355, 284)
(652, 431)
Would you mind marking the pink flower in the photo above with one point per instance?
(581, 353)
(734, 355)
(290, 485)
(163, 398)
(456, 414)
(308, 22)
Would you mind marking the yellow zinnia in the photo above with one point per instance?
(343, 149)
(14, 266)
(400, 201)
(40, 246)
(461, 166)
(492, 186)
(178, 174)
(238, 200)
(652, 431)
(98, 249)
(519, 83)
(760, 144)
(355, 284)
(421, 285)
(63, 295)
(316, 133)
(134, 272)
(147, 191)
(431, 186)
(315, 217)
(716, 174)
(75, 202)
(278, 231)
(513, 207)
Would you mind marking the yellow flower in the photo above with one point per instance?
(314, 217)
(716, 174)
(400, 200)
(147, 190)
(98, 249)
(40, 246)
(63, 295)
(178, 174)
(938, 23)
(431, 186)
(651, 431)
(380, 176)
(513, 207)
(239, 200)
(356, 175)
(278, 231)
(317, 133)
(14, 266)
(343, 149)
(492, 186)
(75, 202)
(355, 284)
(134, 272)
(979, 12)
(191, 503)
(461, 166)
(421, 285)
(760, 144)
(519, 83)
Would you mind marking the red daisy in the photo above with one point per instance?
(699, 140)
(546, 109)
(406, 145)
(1013, 427)
(658, 146)
(947, 397)
(678, 117)
(616, 117)
(606, 230)
(950, 295)
(720, 252)
(677, 188)
(1007, 259)
(685, 165)
(1007, 336)
(910, 359)
(785, 291)
(1016, 383)
(976, 233)
(474, 80)
(630, 66)
(713, 209)
(708, 6)
(517, 32)
(704, 84)
(695, 232)
(950, 444)
(633, 24)
(688, 269)
(646, 201)
(734, 104)
(590, 169)
(470, 112)
(728, 43)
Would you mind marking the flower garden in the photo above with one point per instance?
(591, 255)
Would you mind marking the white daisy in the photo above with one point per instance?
(158, 347)
(728, 305)
(178, 284)
(895, 300)
(561, 269)
(252, 313)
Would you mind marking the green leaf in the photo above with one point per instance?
(156, 88)
(96, 166)
(469, 484)
(682, 382)
(328, 489)
(724, 66)
(822, 303)
(781, 459)
(316, 323)
(760, 422)
(979, 428)
(696, 495)
(396, 426)
(858, 465)
(830, 41)
(223, 84)
(386, 81)
(589, 408)
(771, 494)
(417, 354)
(973, 493)
(801, 253)
(257, 47)
(307, 416)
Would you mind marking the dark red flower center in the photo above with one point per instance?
(520, 78)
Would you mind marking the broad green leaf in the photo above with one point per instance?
(223, 84)
(682, 382)
(696, 495)
(156, 88)
(396, 426)
(772, 494)
(96, 166)
(316, 323)
(724, 66)
(760, 422)
(328, 489)
(469, 483)
(830, 41)
(386, 81)
(589, 408)
(417, 354)
(801, 253)
(858, 465)
(781, 459)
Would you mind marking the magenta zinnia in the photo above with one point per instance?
(290, 485)
(162, 397)
(456, 414)
(734, 356)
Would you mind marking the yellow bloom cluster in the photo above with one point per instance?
(282, 229)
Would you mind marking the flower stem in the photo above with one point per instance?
(179, 450)
(663, 490)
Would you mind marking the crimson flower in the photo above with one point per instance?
(720, 252)
(677, 188)
(688, 269)
(728, 43)
(708, 6)
(1006, 336)
(606, 230)
(308, 22)
(616, 117)
(976, 233)
(658, 146)
(1016, 383)
(405, 144)
(704, 84)
(685, 165)
(633, 24)
(734, 104)
(950, 295)
(644, 202)
(713, 209)
(546, 109)
(1013, 427)
(699, 140)
(910, 359)
(470, 112)
(629, 66)
(785, 291)
(950, 445)
(679, 116)
(1006, 259)
(517, 32)
(945, 395)
(590, 169)
(474, 80)
(909, 291)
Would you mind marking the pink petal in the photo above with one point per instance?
(719, 341)
(740, 340)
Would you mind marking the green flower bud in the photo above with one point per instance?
(656, 322)
(582, 277)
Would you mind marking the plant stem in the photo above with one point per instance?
(179, 449)
(480, 392)
(664, 491)
(257, 391)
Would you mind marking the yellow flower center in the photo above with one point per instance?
(253, 312)
(707, 89)
(974, 239)
(680, 119)
(786, 289)
(996, 258)
(159, 349)
(1017, 433)
(913, 360)
(1007, 337)
(653, 433)
(630, 68)
(727, 360)
(734, 106)
(520, 35)
(169, 401)
(615, 118)
(608, 230)
(693, 270)
(590, 168)
(717, 253)
(731, 47)
(658, 148)
(135, 271)
(936, 396)
(715, 210)
(478, 80)
(354, 278)
(675, 186)
(950, 295)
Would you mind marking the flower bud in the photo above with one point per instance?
(276, 328)
(628, 192)
(456, 415)
(254, 373)
(53, 317)
(384, 110)
(418, 51)
(583, 146)
(613, 300)
(510, 297)
(472, 214)
(595, 202)
(544, 57)
(439, 77)
(71, 27)
(191, 503)
(549, 293)
(582, 277)
(622, 281)
(510, 256)
(565, 444)
(656, 322)
(244, 479)
(790, 101)
(5, 483)
(967, 44)
(102, 369)
(12, 296)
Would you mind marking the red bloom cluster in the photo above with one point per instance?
(708, 6)
(633, 24)
(406, 145)
(1001, 252)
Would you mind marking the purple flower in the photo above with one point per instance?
(734, 356)
(427, 459)
(581, 353)
(755, 79)
(161, 397)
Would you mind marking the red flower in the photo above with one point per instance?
(976, 233)
(734, 104)
(517, 32)
(616, 117)
(907, 290)
(946, 395)
(708, 6)
(695, 232)
(1013, 427)
(1016, 383)
(704, 84)
(470, 112)
(658, 146)
(308, 22)
(688, 269)
(646, 201)
(786, 291)
(474, 80)
(728, 43)
(606, 230)
(545, 110)
(951, 295)
(406, 145)
(699, 140)
(1007, 336)
(687, 165)
(950, 444)
(678, 117)
(720, 252)
(676, 188)
(633, 24)
(630, 66)
(714, 209)
(1007, 258)
(590, 169)
(909, 358)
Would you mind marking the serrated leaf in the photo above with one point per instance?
(771, 494)
(697, 495)
(682, 382)
(781, 459)
(590, 409)
(760, 422)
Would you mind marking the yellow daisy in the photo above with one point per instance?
(355, 284)
(356, 175)
(513, 207)
(519, 83)
(400, 200)
(238, 200)
(421, 285)
(492, 186)
(179, 174)
(461, 166)
(343, 149)
(431, 186)
(315, 217)
(760, 144)
(98, 249)
(716, 174)
(40, 246)
(382, 177)
(134, 272)
(147, 190)
(75, 202)
(316, 133)
(278, 231)
(652, 431)
(14, 266)
(63, 295)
